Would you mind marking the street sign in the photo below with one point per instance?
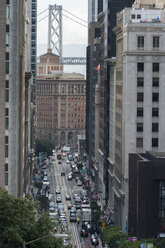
(143, 245)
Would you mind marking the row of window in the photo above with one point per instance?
(140, 67)
(140, 97)
(141, 40)
(154, 141)
(155, 112)
(140, 82)
(155, 127)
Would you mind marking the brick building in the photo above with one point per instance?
(61, 103)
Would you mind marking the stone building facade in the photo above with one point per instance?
(137, 88)
(61, 104)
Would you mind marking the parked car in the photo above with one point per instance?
(63, 174)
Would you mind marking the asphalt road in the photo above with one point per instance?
(68, 187)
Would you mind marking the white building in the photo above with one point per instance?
(138, 110)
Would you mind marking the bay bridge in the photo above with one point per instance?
(63, 30)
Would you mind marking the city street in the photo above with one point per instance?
(68, 187)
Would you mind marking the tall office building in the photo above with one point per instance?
(137, 81)
(12, 107)
(61, 102)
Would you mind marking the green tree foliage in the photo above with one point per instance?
(44, 145)
(111, 234)
(19, 222)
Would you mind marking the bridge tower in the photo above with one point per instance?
(55, 29)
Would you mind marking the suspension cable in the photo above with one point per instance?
(66, 17)
(75, 16)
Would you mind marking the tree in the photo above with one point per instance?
(18, 223)
(111, 234)
(44, 145)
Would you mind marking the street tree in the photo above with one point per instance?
(19, 222)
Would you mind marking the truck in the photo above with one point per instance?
(86, 214)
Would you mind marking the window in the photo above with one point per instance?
(6, 140)
(155, 112)
(139, 142)
(7, 63)
(155, 97)
(7, 39)
(140, 66)
(133, 16)
(6, 151)
(140, 82)
(162, 200)
(139, 127)
(140, 97)
(6, 174)
(155, 127)
(138, 16)
(6, 118)
(139, 111)
(7, 1)
(155, 82)
(154, 142)
(155, 42)
(7, 28)
(155, 67)
(140, 41)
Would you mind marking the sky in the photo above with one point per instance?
(72, 32)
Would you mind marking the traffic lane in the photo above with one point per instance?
(77, 189)
(73, 226)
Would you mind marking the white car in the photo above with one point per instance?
(58, 191)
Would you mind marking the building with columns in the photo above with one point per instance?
(137, 106)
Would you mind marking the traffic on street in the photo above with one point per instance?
(69, 202)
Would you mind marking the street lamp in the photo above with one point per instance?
(35, 240)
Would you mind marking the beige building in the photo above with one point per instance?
(14, 106)
(61, 103)
(137, 107)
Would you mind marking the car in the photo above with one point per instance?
(58, 199)
(45, 179)
(51, 204)
(85, 201)
(62, 218)
(44, 167)
(73, 217)
(63, 174)
(60, 208)
(79, 183)
(83, 233)
(68, 197)
(77, 178)
(68, 162)
(75, 195)
(69, 206)
(70, 177)
(95, 242)
(51, 209)
(58, 191)
(78, 206)
(73, 210)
